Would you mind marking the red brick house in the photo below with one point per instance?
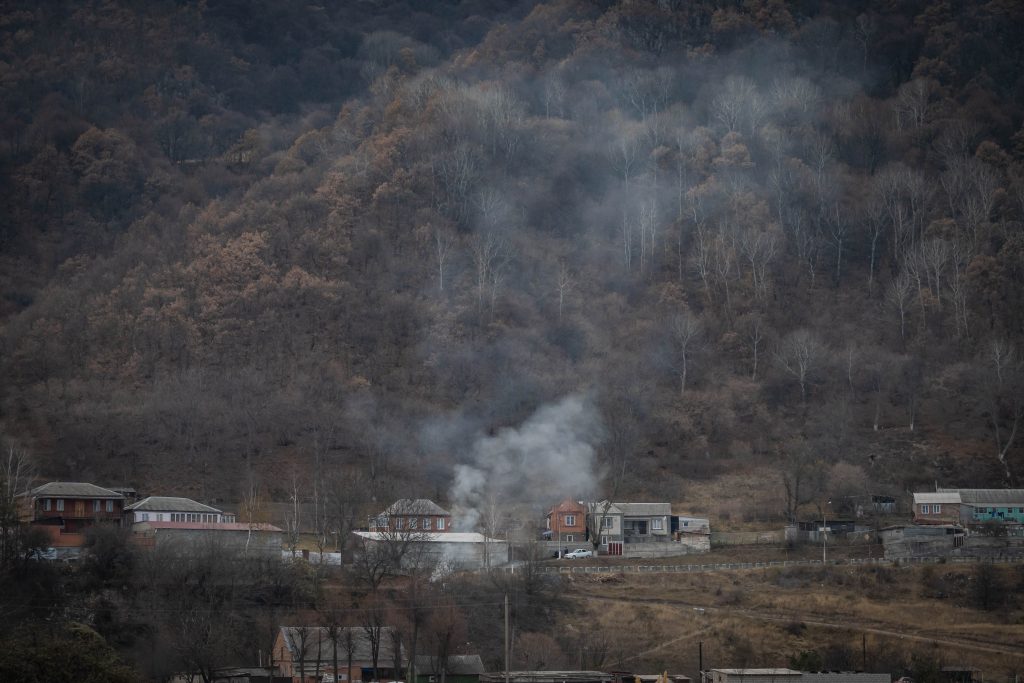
(567, 522)
(65, 510)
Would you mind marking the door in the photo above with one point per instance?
(614, 548)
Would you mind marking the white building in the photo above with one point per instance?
(171, 509)
(455, 550)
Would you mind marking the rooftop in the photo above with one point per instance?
(72, 489)
(644, 509)
(546, 676)
(759, 672)
(941, 497)
(986, 496)
(419, 506)
(171, 504)
(457, 665)
(315, 643)
(426, 537)
(206, 526)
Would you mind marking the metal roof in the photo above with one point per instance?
(319, 646)
(941, 497)
(73, 489)
(644, 509)
(759, 672)
(206, 526)
(545, 676)
(458, 665)
(427, 537)
(989, 496)
(170, 504)
(419, 506)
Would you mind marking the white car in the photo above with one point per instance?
(578, 554)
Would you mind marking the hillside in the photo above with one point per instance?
(377, 251)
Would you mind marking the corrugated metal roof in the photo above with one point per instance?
(990, 496)
(425, 537)
(942, 497)
(73, 489)
(419, 506)
(207, 526)
(171, 504)
(314, 642)
(458, 665)
(644, 509)
(759, 672)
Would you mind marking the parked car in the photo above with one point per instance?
(577, 554)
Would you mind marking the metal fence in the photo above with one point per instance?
(724, 566)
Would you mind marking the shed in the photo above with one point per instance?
(456, 668)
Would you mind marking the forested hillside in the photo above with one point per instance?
(780, 241)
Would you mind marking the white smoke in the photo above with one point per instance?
(547, 458)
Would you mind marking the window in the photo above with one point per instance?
(426, 523)
(145, 516)
(96, 506)
(657, 524)
(413, 521)
(399, 523)
(570, 538)
(46, 503)
(60, 505)
(607, 522)
(925, 509)
(936, 509)
(604, 540)
(570, 520)
(110, 506)
(440, 523)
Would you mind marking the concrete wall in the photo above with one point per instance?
(699, 544)
(261, 543)
(721, 538)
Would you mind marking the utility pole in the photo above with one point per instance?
(824, 532)
(506, 639)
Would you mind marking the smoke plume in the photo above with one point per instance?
(550, 456)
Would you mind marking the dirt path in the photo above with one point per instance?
(787, 617)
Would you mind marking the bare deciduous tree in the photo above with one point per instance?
(800, 354)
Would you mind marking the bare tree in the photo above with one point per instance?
(443, 243)
(1004, 398)
(738, 106)
(684, 335)
(803, 474)
(15, 476)
(754, 329)
(490, 258)
(898, 295)
(800, 353)
(564, 284)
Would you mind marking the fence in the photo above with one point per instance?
(721, 566)
(720, 538)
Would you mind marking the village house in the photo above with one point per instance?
(629, 523)
(566, 523)
(969, 506)
(419, 515)
(66, 510)
(306, 654)
(171, 509)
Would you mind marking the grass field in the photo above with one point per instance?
(873, 618)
